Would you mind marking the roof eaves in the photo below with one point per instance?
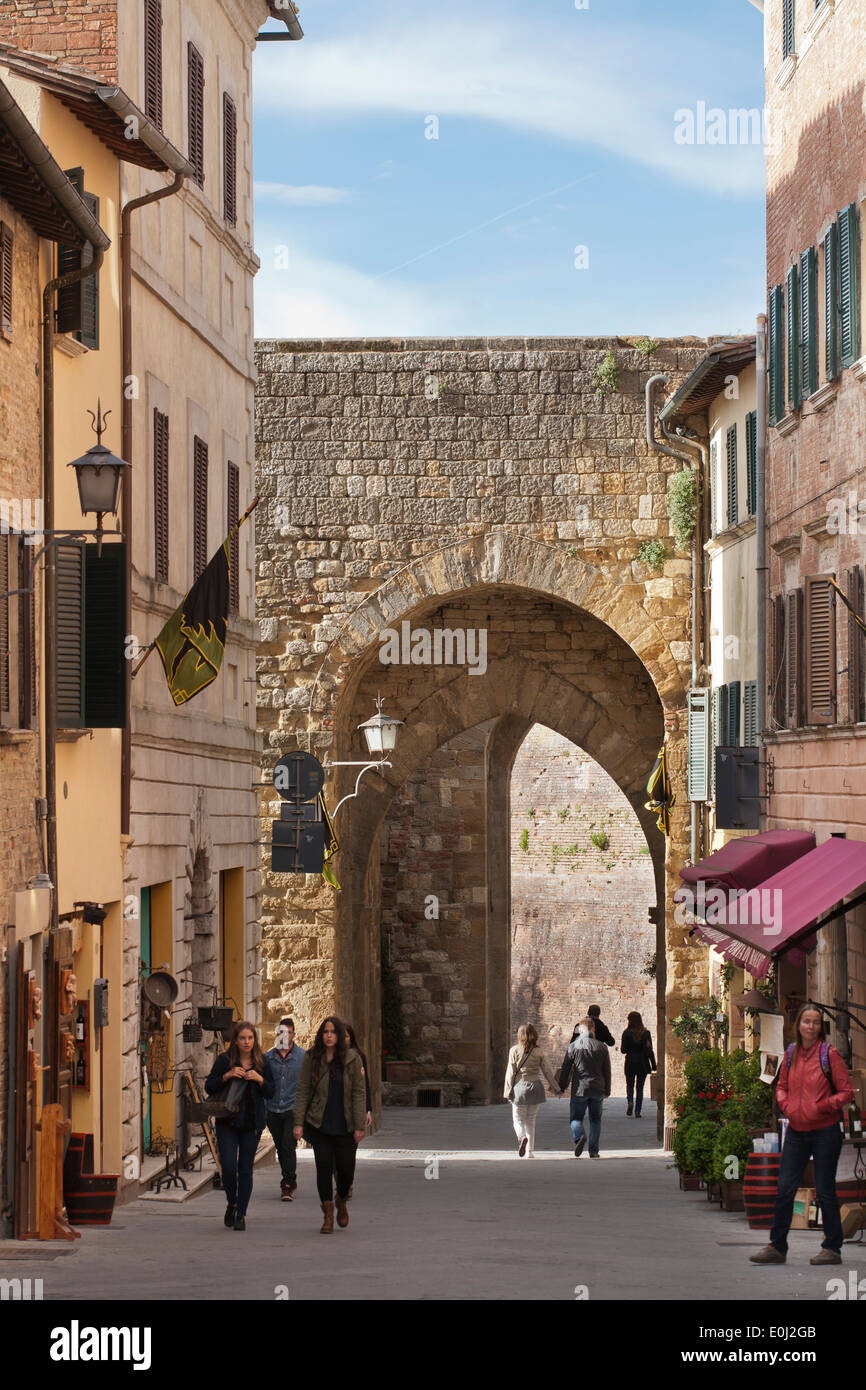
(287, 13)
(739, 351)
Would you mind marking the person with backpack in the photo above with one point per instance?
(587, 1063)
(812, 1091)
(524, 1087)
(637, 1045)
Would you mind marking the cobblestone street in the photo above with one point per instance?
(489, 1228)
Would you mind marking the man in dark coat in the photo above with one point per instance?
(602, 1032)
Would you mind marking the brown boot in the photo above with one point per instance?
(327, 1226)
(342, 1211)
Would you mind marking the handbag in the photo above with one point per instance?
(227, 1101)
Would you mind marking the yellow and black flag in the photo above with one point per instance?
(661, 793)
(332, 844)
(853, 611)
(193, 640)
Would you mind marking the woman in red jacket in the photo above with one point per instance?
(813, 1103)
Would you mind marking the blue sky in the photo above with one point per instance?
(556, 130)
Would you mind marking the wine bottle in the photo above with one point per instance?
(813, 1213)
(79, 1024)
(855, 1121)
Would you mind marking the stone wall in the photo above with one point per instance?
(82, 33)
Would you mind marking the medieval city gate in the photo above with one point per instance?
(495, 486)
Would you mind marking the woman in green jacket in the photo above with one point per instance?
(330, 1112)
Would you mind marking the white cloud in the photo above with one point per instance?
(299, 195)
(316, 298)
(615, 89)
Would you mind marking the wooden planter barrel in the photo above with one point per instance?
(732, 1195)
(759, 1189)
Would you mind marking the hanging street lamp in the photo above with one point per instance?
(98, 474)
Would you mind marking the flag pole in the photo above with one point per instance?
(147, 651)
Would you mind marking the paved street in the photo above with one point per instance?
(490, 1227)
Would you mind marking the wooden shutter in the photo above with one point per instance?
(735, 691)
(230, 160)
(856, 649)
(199, 507)
(777, 688)
(714, 463)
(787, 28)
(831, 302)
(699, 745)
(751, 463)
(160, 495)
(27, 689)
(233, 488)
(794, 659)
(750, 714)
(820, 650)
(808, 331)
(5, 586)
(78, 304)
(195, 109)
(69, 634)
(849, 328)
(7, 244)
(104, 659)
(792, 293)
(153, 61)
(717, 732)
(732, 475)
(775, 364)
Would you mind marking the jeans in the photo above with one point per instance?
(237, 1151)
(334, 1154)
(524, 1117)
(824, 1146)
(634, 1083)
(281, 1124)
(579, 1106)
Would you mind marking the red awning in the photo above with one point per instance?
(746, 863)
(779, 915)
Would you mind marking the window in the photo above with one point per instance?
(808, 331)
(787, 28)
(792, 290)
(699, 745)
(199, 507)
(849, 326)
(89, 626)
(820, 650)
(233, 497)
(195, 108)
(6, 253)
(751, 463)
(831, 301)
(732, 475)
(750, 714)
(153, 61)
(18, 636)
(794, 659)
(78, 304)
(230, 160)
(856, 649)
(775, 366)
(160, 495)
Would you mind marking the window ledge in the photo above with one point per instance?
(786, 71)
(787, 424)
(722, 539)
(858, 369)
(65, 343)
(819, 19)
(820, 399)
(818, 529)
(11, 736)
(73, 735)
(787, 546)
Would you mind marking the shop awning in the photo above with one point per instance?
(746, 863)
(783, 912)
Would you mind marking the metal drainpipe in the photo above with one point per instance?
(761, 569)
(662, 379)
(126, 453)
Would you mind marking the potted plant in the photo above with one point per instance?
(699, 1146)
(731, 1151)
(689, 1181)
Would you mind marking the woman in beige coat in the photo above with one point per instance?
(525, 1088)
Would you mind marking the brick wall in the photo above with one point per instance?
(82, 33)
(580, 929)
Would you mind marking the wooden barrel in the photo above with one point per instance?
(759, 1189)
(78, 1158)
(92, 1201)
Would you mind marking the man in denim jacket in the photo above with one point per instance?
(285, 1059)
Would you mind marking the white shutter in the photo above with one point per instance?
(699, 745)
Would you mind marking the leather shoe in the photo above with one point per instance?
(826, 1257)
(229, 1218)
(240, 1223)
(769, 1255)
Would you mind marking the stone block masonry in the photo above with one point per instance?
(82, 33)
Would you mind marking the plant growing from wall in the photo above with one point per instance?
(605, 377)
(524, 839)
(599, 839)
(652, 554)
(646, 345)
(683, 507)
(650, 966)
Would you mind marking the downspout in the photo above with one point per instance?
(126, 453)
(658, 380)
(761, 568)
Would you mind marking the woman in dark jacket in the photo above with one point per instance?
(368, 1101)
(238, 1137)
(637, 1044)
(330, 1115)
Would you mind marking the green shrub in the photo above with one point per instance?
(697, 1024)
(699, 1147)
(683, 507)
(605, 378)
(732, 1140)
(599, 839)
(646, 345)
(681, 1134)
(652, 554)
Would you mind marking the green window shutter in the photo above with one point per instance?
(89, 335)
(751, 462)
(732, 475)
(808, 354)
(750, 714)
(787, 28)
(699, 745)
(734, 697)
(78, 304)
(723, 717)
(69, 634)
(105, 663)
(714, 463)
(856, 649)
(831, 302)
(775, 367)
(849, 327)
(792, 292)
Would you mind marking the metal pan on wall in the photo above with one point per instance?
(160, 988)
